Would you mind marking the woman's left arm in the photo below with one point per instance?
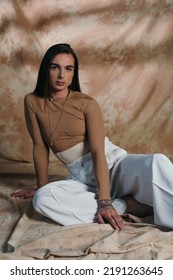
(96, 138)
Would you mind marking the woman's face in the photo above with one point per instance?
(61, 72)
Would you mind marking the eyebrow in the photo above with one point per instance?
(55, 64)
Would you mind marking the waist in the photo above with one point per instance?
(73, 153)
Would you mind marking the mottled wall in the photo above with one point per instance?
(125, 49)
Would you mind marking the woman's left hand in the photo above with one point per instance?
(23, 194)
(111, 216)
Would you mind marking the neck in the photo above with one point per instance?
(60, 94)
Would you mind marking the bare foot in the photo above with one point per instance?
(136, 208)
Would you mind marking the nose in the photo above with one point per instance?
(61, 73)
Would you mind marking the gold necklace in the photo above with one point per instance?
(61, 109)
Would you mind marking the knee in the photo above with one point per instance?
(160, 158)
(38, 201)
(162, 164)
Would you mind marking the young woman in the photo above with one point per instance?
(104, 181)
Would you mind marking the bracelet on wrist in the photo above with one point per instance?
(104, 204)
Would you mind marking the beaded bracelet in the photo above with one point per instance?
(104, 204)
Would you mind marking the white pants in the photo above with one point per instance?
(148, 178)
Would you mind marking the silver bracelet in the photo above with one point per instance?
(104, 204)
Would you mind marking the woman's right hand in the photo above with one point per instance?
(111, 216)
(107, 213)
(23, 194)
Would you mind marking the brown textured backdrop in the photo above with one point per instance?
(125, 49)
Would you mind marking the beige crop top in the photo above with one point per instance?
(61, 124)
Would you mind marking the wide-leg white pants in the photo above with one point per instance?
(149, 178)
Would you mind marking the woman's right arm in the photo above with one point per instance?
(40, 148)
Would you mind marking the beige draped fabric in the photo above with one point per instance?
(25, 235)
(126, 62)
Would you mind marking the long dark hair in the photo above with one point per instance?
(42, 85)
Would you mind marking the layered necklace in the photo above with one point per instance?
(55, 107)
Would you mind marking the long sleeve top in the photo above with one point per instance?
(62, 123)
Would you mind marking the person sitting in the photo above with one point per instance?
(104, 181)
